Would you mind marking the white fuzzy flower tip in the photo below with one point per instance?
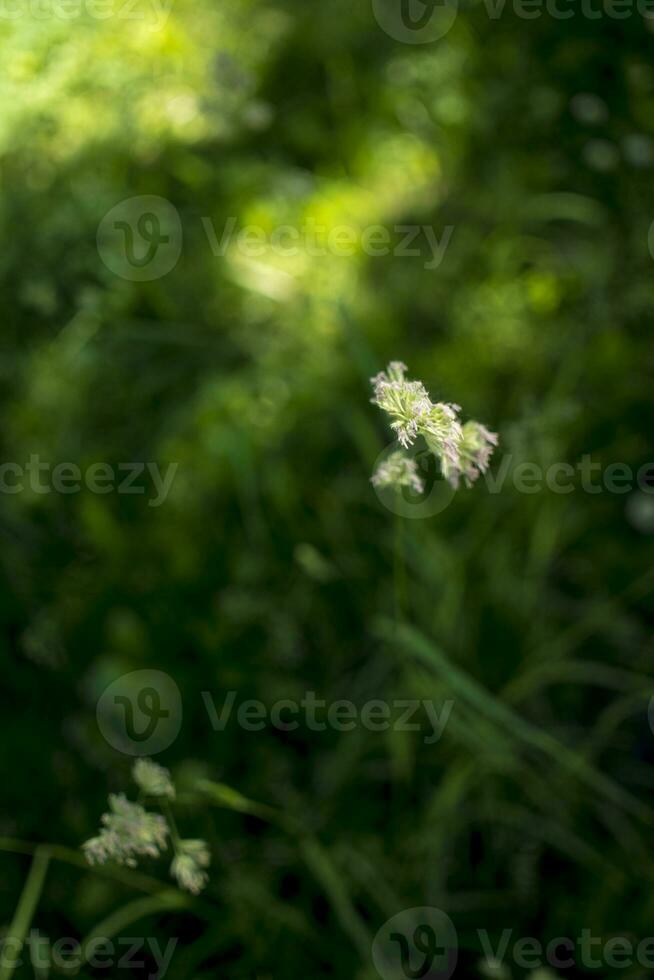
(475, 453)
(188, 865)
(397, 471)
(127, 831)
(153, 779)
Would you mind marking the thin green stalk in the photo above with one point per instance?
(167, 811)
(27, 903)
(202, 907)
(132, 879)
(399, 569)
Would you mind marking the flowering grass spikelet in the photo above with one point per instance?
(407, 402)
(475, 453)
(127, 831)
(464, 451)
(413, 413)
(191, 858)
(153, 779)
(397, 471)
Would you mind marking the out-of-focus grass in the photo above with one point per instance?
(269, 570)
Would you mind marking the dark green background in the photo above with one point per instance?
(270, 568)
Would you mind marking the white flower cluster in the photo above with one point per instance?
(464, 451)
(129, 831)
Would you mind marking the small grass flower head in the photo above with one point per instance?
(127, 832)
(397, 471)
(191, 858)
(413, 413)
(475, 452)
(407, 402)
(152, 779)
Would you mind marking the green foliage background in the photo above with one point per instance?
(269, 570)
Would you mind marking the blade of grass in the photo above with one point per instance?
(134, 879)
(224, 796)
(24, 913)
(530, 735)
(320, 863)
(132, 912)
(314, 854)
(576, 672)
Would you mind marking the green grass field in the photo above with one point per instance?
(220, 219)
